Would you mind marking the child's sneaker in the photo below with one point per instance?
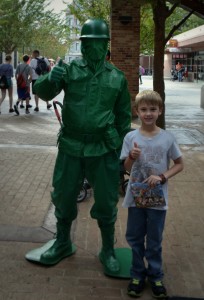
(135, 287)
(158, 290)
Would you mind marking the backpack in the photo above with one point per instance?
(42, 67)
(4, 82)
(21, 83)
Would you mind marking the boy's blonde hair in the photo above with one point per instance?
(149, 97)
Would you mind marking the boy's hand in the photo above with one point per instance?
(57, 72)
(135, 152)
(153, 180)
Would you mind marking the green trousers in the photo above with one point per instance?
(102, 174)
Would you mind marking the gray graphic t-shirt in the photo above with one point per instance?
(155, 157)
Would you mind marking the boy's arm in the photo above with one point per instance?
(30, 78)
(133, 155)
(128, 163)
(175, 169)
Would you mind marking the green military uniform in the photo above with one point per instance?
(96, 116)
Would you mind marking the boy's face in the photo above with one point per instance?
(148, 113)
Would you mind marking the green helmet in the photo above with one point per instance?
(95, 28)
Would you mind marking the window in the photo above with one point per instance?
(77, 46)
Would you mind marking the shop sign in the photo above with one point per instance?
(178, 50)
(173, 43)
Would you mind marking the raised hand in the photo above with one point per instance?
(56, 74)
(135, 152)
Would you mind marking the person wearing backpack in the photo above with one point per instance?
(40, 66)
(23, 78)
(6, 74)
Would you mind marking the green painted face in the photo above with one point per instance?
(93, 49)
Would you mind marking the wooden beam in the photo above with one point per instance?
(196, 5)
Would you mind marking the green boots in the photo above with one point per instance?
(55, 250)
(107, 253)
(61, 248)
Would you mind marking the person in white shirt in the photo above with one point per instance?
(33, 64)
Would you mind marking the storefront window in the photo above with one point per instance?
(193, 62)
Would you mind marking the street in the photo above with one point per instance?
(27, 157)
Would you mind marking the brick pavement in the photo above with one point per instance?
(27, 156)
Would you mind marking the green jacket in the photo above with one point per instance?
(96, 112)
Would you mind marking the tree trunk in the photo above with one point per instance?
(158, 64)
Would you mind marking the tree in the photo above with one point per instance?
(21, 20)
(159, 16)
(50, 37)
(168, 20)
(192, 22)
(146, 36)
(85, 9)
(146, 29)
(161, 12)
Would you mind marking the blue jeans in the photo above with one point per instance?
(149, 223)
(180, 76)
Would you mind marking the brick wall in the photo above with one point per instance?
(125, 41)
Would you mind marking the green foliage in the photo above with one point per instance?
(146, 30)
(28, 23)
(179, 14)
(147, 24)
(85, 9)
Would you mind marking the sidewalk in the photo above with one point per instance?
(27, 156)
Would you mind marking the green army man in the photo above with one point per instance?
(96, 116)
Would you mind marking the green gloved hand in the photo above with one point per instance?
(56, 74)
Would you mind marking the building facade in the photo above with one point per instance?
(188, 49)
(74, 52)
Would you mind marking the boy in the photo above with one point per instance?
(146, 153)
(24, 92)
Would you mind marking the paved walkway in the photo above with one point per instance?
(27, 156)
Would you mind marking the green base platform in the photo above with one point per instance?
(35, 254)
(124, 256)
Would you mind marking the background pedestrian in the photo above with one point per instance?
(6, 69)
